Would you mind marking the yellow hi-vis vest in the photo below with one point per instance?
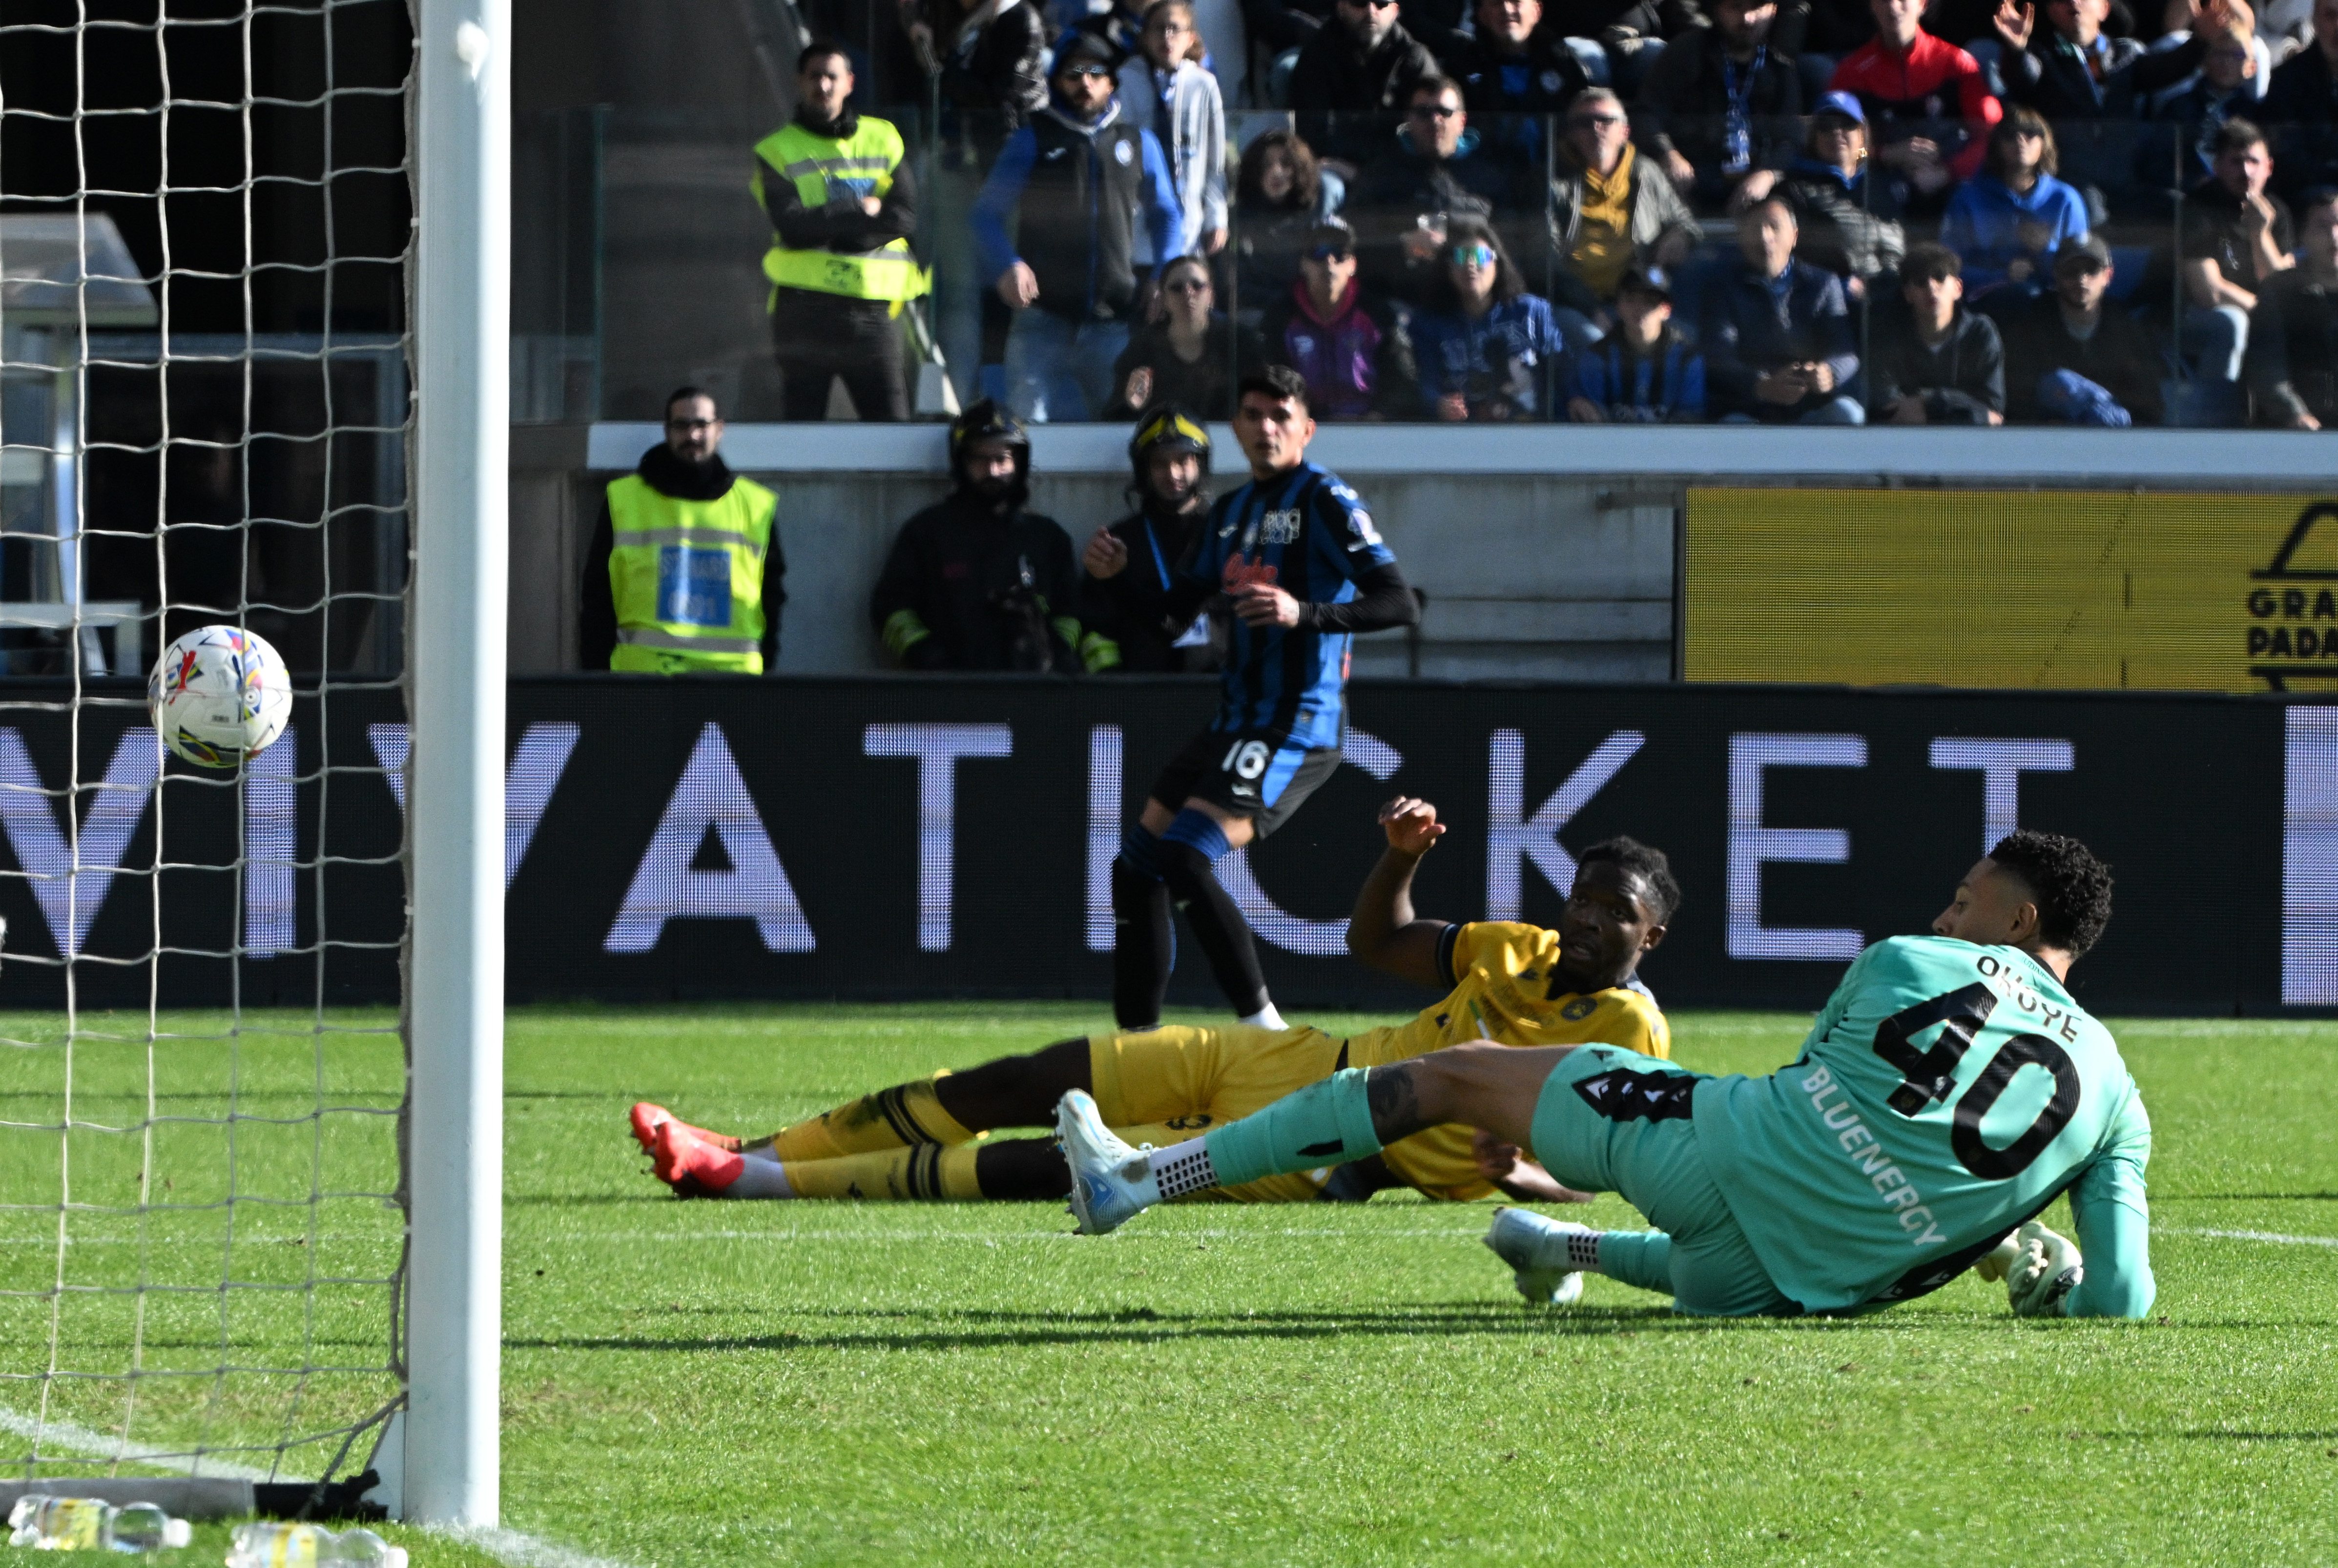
(860, 164)
(688, 578)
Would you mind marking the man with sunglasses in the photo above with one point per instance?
(1435, 168)
(1352, 78)
(1077, 178)
(684, 573)
(1349, 345)
(1611, 207)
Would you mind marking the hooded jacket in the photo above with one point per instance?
(662, 471)
(1356, 361)
(1986, 215)
(1194, 115)
(1079, 190)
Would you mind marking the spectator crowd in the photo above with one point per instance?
(1780, 212)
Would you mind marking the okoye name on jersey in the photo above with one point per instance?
(1949, 1092)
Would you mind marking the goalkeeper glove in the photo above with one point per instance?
(2045, 1270)
(1992, 1264)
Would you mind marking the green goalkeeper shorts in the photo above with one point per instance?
(1614, 1120)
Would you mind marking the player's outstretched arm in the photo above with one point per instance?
(2115, 1229)
(1382, 929)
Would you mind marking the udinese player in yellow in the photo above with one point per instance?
(1512, 983)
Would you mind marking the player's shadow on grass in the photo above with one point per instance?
(1144, 1326)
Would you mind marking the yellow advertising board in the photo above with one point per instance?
(2012, 588)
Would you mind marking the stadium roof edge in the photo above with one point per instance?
(2247, 458)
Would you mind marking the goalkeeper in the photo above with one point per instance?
(1512, 983)
(1950, 1091)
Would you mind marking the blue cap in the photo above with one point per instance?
(1842, 103)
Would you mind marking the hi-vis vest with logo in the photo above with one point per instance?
(860, 164)
(688, 578)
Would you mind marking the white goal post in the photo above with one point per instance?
(461, 152)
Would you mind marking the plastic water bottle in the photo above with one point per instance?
(273, 1546)
(49, 1523)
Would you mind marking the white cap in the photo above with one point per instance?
(177, 1533)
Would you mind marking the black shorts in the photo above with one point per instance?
(1252, 773)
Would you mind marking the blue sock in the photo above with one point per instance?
(1199, 832)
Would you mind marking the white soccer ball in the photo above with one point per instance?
(219, 694)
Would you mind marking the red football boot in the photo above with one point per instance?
(692, 1167)
(647, 1118)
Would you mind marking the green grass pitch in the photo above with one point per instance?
(721, 1384)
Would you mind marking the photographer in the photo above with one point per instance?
(977, 582)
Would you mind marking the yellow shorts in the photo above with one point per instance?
(1163, 1086)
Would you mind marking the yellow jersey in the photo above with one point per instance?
(1507, 990)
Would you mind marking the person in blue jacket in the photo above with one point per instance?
(1490, 350)
(1645, 372)
(2008, 220)
(1079, 177)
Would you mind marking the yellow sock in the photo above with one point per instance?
(902, 1116)
(921, 1170)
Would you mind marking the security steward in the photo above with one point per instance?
(975, 582)
(1169, 485)
(842, 208)
(684, 575)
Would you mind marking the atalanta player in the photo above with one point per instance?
(1292, 558)
(1950, 1091)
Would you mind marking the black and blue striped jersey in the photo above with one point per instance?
(1309, 534)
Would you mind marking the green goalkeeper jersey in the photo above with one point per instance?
(1947, 1093)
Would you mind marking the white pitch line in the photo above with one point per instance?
(526, 1550)
(71, 1437)
(512, 1546)
(2274, 1236)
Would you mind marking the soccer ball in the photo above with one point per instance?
(219, 694)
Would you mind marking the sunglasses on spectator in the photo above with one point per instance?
(1370, 5)
(1088, 70)
(1331, 253)
(1602, 121)
(1478, 255)
(1434, 111)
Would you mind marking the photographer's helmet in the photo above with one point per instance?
(986, 421)
(1166, 427)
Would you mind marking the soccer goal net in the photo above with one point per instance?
(206, 238)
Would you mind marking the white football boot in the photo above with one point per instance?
(1112, 1183)
(1536, 1248)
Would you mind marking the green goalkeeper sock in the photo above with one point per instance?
(1641, 1258)
(1325, 1123)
